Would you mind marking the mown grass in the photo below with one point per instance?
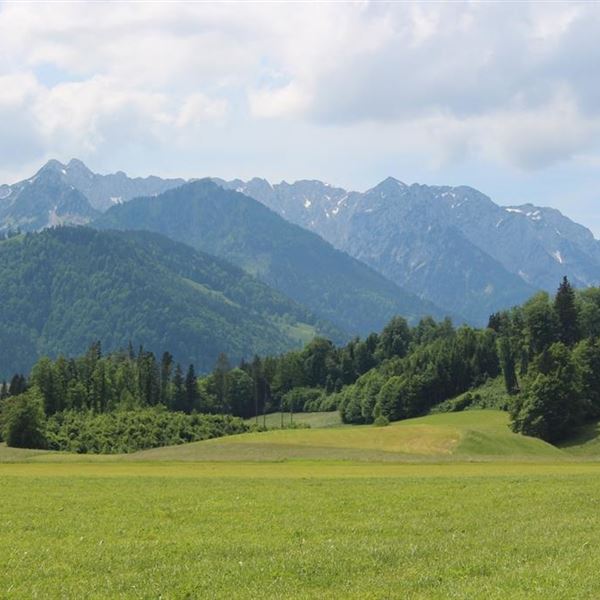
(299, 530)
(476, 435)
(450, 505)
(470, 435)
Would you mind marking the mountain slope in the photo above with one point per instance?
(70, 194)
(297, 262)
(44, 200)
(538, 244)
(407, 234)
(403, 232)
(66, 287)
(103, 191)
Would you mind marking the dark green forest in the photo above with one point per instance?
(547, 352)
(65, 287)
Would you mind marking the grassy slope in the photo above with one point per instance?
(492, 394)
(467, 435)
(471, 435)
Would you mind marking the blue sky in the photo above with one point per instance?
(500, 96)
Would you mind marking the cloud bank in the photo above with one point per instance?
(510, 84)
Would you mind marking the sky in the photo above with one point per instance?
(504, 97)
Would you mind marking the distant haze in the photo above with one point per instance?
(501, 97)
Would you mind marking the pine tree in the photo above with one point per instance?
(191, 389)
(179, 392)
(494, 322)
(166, 366)
(220, 374)
(564, 305)
(18, 385)
(257, 378)
(507, 363)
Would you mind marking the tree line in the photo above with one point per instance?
(547, 352)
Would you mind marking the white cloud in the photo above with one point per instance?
(198, 108)
(447, 81)
(285, 101)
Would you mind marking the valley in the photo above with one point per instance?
(299, 300)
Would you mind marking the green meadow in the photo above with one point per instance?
(446, 506)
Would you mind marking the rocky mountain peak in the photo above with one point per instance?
(388, 186)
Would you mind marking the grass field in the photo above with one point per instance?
(463, 510)
(475, 435)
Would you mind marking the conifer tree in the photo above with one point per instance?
(179, 392)
(257, 378)
(507, 363)
(18, 385)
(191, 390)
(220, 374)
(564, 305)
(166, 366)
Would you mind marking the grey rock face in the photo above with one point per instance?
(42, 201)
(451, 245)
(104, 191)
(62, 194)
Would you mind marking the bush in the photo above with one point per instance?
(303, 399)
(328, 403)
(381, 421)
(129, 431)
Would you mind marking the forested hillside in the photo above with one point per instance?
(290, 259)
(65, 288)
(545, 355)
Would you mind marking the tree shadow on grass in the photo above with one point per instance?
(585, 433)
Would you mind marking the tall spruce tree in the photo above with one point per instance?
(220, 377)
(507, 364)
(18, 385)
(166, 366)
(191, 389)
(564, 305)
(179, 392)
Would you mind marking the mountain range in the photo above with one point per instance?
(294, 261)
(426, 246)
(70, 193)
(451, 245)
